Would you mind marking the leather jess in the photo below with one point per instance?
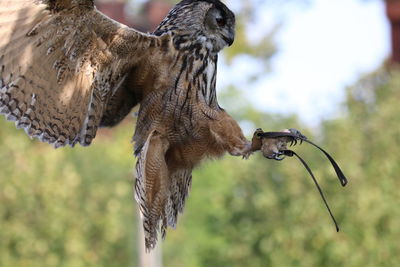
(294, 136)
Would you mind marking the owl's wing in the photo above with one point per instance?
(152, 185)
(60, 61)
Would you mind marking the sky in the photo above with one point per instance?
(322, 49)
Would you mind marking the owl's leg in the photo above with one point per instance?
(227, 133)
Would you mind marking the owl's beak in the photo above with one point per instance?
(229, 38)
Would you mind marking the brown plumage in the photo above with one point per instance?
(66, 69)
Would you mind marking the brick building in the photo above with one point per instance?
(152, 13)
(393, 13)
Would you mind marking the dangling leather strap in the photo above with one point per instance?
(296, 135)
(291, 153)
(339, 173)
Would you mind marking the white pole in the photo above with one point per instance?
(154, 257)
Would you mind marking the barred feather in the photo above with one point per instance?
(58, 70)
(152, 184)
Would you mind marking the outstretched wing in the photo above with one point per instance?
(60, 62)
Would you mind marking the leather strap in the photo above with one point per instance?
(295, 136)
(291, 153)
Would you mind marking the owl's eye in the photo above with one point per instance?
(221, 21)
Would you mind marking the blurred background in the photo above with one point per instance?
(328, 68)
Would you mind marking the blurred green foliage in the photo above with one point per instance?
(74, 207)
(66, 207)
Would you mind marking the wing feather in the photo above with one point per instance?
(60, 62)
(152, 186)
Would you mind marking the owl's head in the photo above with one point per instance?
(208, 23)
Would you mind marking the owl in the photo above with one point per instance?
(66, 69)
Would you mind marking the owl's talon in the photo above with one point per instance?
(298, 134)
(279, 156)
(245, 150)
(247, 155)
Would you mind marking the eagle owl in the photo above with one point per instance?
(67, 69)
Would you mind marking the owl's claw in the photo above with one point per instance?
(297, 135)
(293, 142)
(278, 156)
(247, 154)
(243, 150)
